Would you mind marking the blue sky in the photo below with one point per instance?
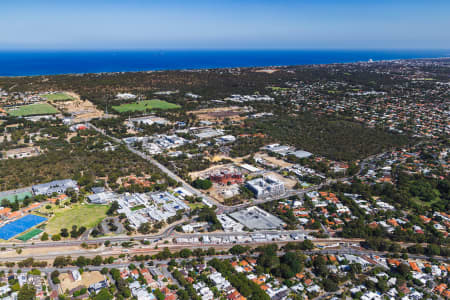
(215, 24)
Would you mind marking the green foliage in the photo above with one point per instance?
(146, 105)
(104, 294)
(26, 292)
(238, 249)
(207, 214)
(44, 236)
(159, 295)
(54, 277)
(187, 292)
(245, 286)
(334, 138)
(203, 184)
(121, 284)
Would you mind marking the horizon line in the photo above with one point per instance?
(222, 49)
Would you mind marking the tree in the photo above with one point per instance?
(238, 249)
(382, 285)
(44, 236)
(320, 267)
(404, 269)
(158, 294)
(97, 261)
(207, 214)
(203, 184)
(185, 253)
(145, 228)
(356, 268)
(433, 249)
(330, 285)
(104, 294)
(55, 277)
(307, 245)
(27, 292)
(114, 207)
(61, 261)
(64, 232)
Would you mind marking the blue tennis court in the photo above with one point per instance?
(18, 226)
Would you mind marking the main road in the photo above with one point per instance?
(357, 251)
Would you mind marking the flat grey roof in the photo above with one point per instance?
(256, 218)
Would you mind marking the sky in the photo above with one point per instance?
(232, 24)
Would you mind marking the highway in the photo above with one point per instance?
(357, 251)
(168, 232)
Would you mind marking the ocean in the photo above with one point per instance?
(26, 63)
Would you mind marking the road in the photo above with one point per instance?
(337, 251)
(221, 208)
(168, 232)
(49, 253)
(163, 168)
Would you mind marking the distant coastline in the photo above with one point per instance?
(32, 63)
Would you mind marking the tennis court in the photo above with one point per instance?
(23, 224)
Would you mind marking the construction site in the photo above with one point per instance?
(80, 110)
(219, 114)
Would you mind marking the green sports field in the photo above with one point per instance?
(87, 215)
(33, 109)
(57, 97)
(17, 197)
(145, 105)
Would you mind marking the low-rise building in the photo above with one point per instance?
(57, 186)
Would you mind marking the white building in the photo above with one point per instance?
(125, 96)
(266, 187)
(57, 186)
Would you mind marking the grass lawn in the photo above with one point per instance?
(33, 109)
(193, 206)
(87, 215)
(145, 105)
(138, 207)
(57, 97)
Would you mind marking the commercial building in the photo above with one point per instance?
(266, 187)
(228, 224)
(102, 198)
(256, 218)
(57, 186)
(207, 133)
